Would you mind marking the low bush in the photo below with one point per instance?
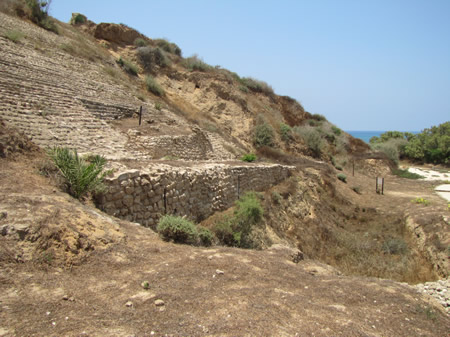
(312, 138)
(140, 42)
(263, 135)
(194, 63)
(38, 13)
(285, 132)
(128, 66)
(205, 236)
(318, 117)
(342, 177)
(276, 197)
(151, 58)
(389, 149)
(77, 19)
(177, 229)
(395, 246)
(153, 86)
(82, 175)
(249, 211)
(168, 46)
(356, 189)
(14, 35)
(224, 233)
(256, 85)
(336, 130)
(249, 157)
(235, 230)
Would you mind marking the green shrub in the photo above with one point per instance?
(263, 135)
(256, 85)
(194, 63)
(82, 175)
(235, 231)
(389, 149)
(151, 58)
(249, 157)
(14, 35)
(39, 14)
(177, 229)
(206, 237)
(285, 132)
(336, 130)
(243, 88)
(318, 117)
(395, 246)
(312, 138)
(224, 232)
(140, 42)
(128, 66)
(77, 19)
(356, 189)
(168, 46)
(249, 211)
(158, 106)
(342, 177)
(153, 86)
(276, 197)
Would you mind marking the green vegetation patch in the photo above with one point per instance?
(152, 58)
(82, 174)
(406, 174)
(249, 157)
(14, 35)
(194, 63)
(263, 135)
(153, 86)
(177, 229)
(128, 66)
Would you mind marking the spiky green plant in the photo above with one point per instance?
(82, 175)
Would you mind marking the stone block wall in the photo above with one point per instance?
(143, 196)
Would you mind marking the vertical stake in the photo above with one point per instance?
(353, 167)
(238, 185)
(165, 201)
(140, 115)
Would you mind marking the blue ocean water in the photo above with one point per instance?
(366, 135)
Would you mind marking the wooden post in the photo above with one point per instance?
(238, 185)
(165, 201)
(140, 115)
(353, 167)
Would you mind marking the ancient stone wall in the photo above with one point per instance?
(196, 192)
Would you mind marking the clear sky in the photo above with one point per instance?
(364, 64)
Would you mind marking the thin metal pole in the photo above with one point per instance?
(140, 115)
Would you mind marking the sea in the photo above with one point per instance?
(366, 135)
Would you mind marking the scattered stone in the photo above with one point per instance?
(438, 290)
(129, 304)
(65, 297)
(219, 272)
(159, 303)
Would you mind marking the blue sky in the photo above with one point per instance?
(364, 64)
